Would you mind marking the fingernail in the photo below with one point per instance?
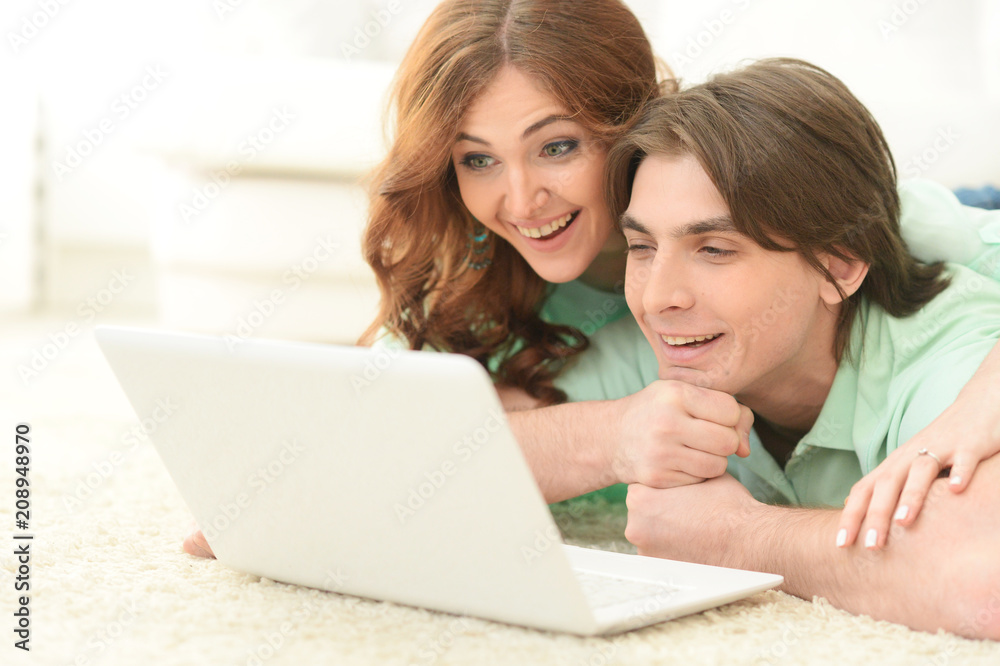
(955, 480)
(901, 513)
(841, 537)
(871, 538)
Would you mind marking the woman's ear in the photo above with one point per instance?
(848, 273)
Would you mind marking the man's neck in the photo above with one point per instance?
(792, 396)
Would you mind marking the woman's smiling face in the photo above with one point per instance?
(534, 177)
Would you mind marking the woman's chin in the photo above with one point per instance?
(557, 274)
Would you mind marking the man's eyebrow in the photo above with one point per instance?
(717, 224)
(710, 225)
(629, 222)
(534, 127)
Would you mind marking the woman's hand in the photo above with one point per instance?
(196, 544)
(960, 438)
(673, 433)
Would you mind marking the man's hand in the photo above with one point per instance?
(668, 434)
(696, 523)
(673, 433)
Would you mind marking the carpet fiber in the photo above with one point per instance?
(111, 585)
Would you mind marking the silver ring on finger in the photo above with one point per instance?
(925, 452)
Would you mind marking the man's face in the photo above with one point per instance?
(719, 310)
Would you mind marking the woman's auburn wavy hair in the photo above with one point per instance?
(594, 58)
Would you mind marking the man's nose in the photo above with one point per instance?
(666, 287)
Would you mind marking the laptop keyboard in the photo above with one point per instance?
(602, 590)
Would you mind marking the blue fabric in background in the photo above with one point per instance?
(987, 197)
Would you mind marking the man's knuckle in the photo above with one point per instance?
(733, 443)
(633, 534)
(717, 467)
(678, 392)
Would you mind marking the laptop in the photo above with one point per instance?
(385, 474)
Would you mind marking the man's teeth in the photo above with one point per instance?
(670, 340)
(547, 229)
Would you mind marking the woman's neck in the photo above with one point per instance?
(607, 271)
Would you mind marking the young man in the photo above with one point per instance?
(765, 261)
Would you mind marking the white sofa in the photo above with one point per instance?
(258, 206)
(940, 72)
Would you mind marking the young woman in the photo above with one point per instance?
(490, 236)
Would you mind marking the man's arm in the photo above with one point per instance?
(941, 573)
(668, 434)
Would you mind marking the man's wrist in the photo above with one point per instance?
(740, 532)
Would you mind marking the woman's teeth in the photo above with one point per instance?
(673, 342)
(547, 229)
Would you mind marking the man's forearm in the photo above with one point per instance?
(939, 573)
(567, 446)
(799, 544)
(930, 576)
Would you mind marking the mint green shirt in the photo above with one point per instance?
(909, 370)
(584, 307)
(834, 455)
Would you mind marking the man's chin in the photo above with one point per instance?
(692, 376)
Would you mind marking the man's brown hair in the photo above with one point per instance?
(800, 162)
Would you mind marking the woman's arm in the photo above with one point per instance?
(964, 435)
(666, 435)
(937, 227)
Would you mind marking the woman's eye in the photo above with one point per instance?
(557, 148)
(477, 161)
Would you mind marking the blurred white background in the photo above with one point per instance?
(198, 163)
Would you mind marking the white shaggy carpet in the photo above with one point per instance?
(111, 585)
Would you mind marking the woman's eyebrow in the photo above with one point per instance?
(542, 123)
(462, 136)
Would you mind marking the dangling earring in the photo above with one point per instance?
(479, 243)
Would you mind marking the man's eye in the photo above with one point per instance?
(717, 252)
